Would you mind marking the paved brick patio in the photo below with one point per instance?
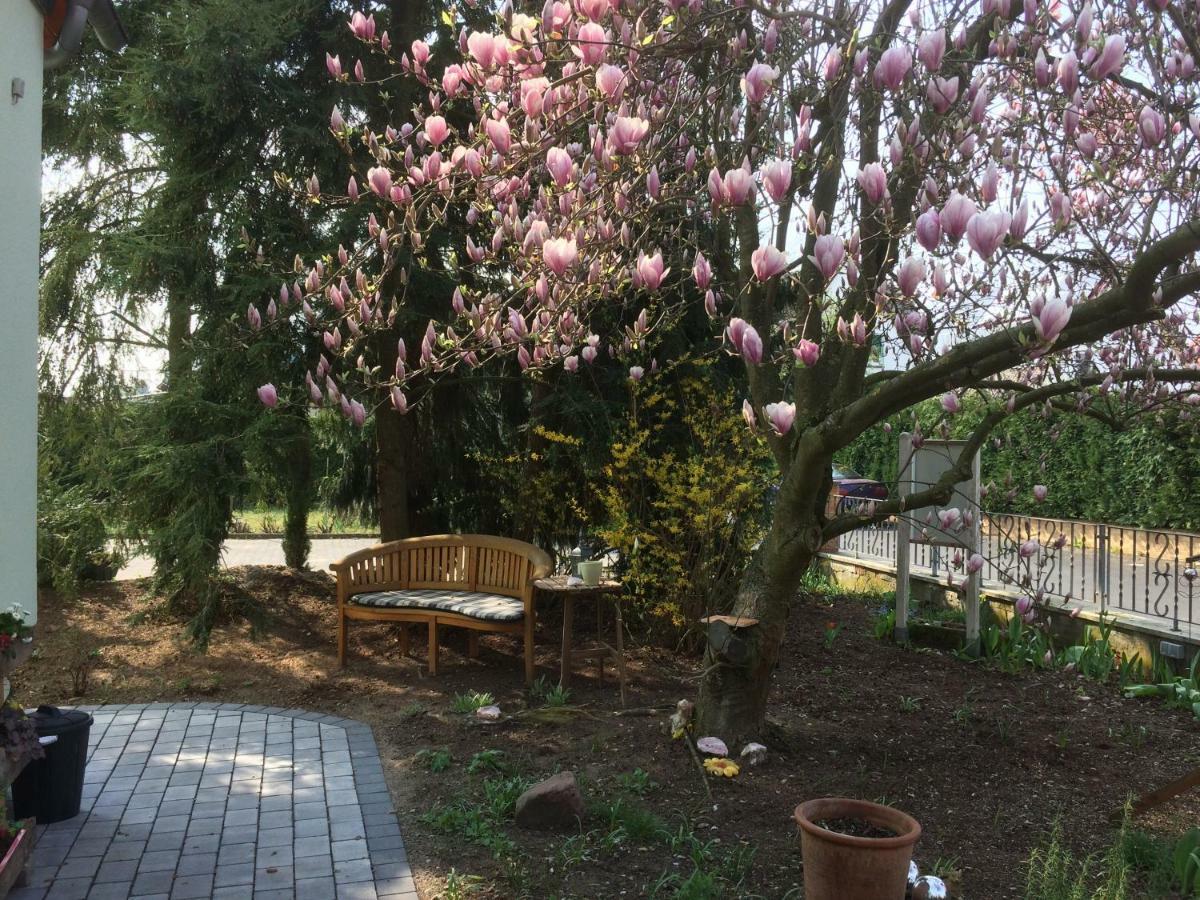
(192, 800)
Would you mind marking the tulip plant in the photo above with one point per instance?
(999, 197)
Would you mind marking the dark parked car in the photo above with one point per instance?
(853, 489)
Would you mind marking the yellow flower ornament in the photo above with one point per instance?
(721, 767)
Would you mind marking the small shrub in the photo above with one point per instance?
(72, 541)
(637, 782)
(685, 494)
(436, 760)
(471, 701)
(1054, 873)
(548, 694)
(488, 761)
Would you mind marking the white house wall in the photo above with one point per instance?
(20, 196)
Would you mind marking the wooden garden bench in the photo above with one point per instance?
(472, 581)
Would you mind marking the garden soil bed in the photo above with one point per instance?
(983, 759)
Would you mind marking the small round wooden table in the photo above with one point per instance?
(558, 586)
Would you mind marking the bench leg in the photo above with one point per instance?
(529, 666)
(341, 641)
(404, 639)
(622, 678)
(433, 647)
(473, 644)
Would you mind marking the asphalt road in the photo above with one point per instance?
(261, 552)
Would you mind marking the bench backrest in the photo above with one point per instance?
(464, 562)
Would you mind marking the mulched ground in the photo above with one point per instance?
(983, 759)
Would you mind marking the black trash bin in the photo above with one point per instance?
(52, 788)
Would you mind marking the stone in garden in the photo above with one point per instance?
(713, 746)
(488, 713)
(553, 804)
(753, 755)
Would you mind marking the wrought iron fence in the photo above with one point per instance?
(1114, 568)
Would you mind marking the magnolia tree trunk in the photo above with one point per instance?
(391, 475)
(296, 542)
(739, 662)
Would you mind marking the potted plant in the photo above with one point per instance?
(855, 850)
(16, 639)
(18, 745)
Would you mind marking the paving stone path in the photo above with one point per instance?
(193, 800)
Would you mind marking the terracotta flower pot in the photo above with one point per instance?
(847, 867)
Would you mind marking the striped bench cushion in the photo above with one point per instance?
(477, 605)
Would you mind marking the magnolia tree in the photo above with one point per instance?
(1000, 199)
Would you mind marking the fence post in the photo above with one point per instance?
(1101, 545)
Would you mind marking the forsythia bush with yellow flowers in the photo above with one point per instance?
(683, 495)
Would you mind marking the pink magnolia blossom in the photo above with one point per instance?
(1039, 492)
(858, 330)
(591, 44)
(807, 352)
(483, 47)
(1029, 548)
(751, 345)
(1060, 209)
(975, 562)
(929, 229)
(1051, 319)
(499, 134)
(893, 67)
(650, 270)
(873, 181)
(767, 262)
(956, 215)
(1151, 126)
(777, 179)
(1111, 58)
(380, 179)
(626, 133)
(399, 401)
(910, 275)
(436, 130)
(950, 402)
(559, 254)
(1024, 603)
(609, 81)
(702, 271)
(748, 415)
(1068, 73)
(734, 332)
(931, 48)
(558, 162)
(942, 92)
(950, 519)
(267, 395)
(737, 186)
(986, 232)
(636, 373)
(758, 81)
(780, 416)
(363, 27)
(828, 253)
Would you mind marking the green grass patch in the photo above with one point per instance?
(471, 701)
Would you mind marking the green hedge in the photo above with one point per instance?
(1147, 475)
